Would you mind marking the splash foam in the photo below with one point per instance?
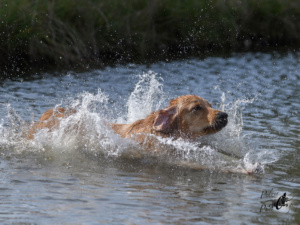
(86, 132)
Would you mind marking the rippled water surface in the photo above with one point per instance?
(97, 177)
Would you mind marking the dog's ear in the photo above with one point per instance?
(164, 119)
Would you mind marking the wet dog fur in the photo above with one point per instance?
(186, 117)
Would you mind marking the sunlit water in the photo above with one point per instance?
(93, 176)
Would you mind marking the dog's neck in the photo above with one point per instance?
(145, 126)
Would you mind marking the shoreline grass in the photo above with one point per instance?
(83, 33)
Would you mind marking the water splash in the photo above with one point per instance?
(86, 133)
(147, 97)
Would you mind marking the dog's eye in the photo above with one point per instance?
(197, 108)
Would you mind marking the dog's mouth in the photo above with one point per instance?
(219, 123)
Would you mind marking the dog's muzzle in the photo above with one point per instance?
(220, 120)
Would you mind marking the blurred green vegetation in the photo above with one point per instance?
(83, 33)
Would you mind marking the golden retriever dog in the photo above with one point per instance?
(186, 117)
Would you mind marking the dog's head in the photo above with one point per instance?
(190, 116)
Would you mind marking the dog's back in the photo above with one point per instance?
(187, 117)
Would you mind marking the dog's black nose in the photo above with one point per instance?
(222, 116)
(220, 120)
